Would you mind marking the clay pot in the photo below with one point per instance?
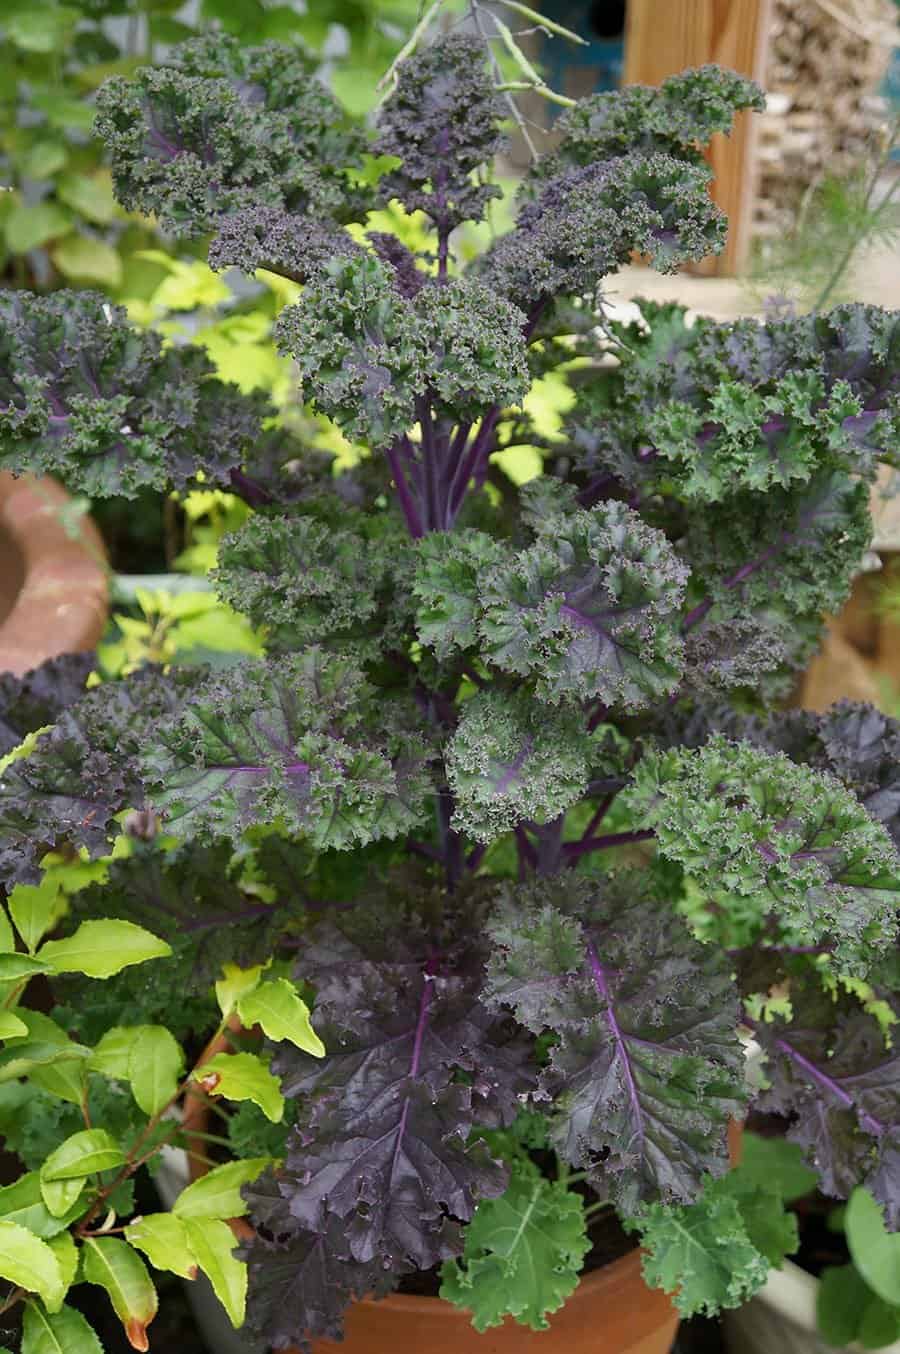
(53, 588)
(612, 1311)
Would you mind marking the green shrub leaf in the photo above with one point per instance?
(100, 949)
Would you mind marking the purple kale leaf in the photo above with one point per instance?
(85, 395)
(302, 1281)
(837, 1080)
(39, 698)
(646, 1069)
(442, 122)
(786, 846)
(386, 1137)
(296, 741)
(83, 772)
(589, 611)
(225, 127)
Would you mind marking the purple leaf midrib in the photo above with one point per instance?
(599, 977)
(418, 1040)
(867, 1121)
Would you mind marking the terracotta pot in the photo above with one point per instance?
(612, 1311)
(53, 588)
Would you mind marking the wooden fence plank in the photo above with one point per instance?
(664, 38)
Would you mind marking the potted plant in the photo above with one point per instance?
(508, 802)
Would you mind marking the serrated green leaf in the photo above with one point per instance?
(11, 1027)
(117, 1267)
(236, 983)
(90, 195)
(20, 1059)
(84, 1153)
(154, 1068)
(278, 1009)
(776, 1163)
(15, 967)
(43, 159)
(701, 1253)
(29, 227)
(61, 1196)
(35, 908)
(66, 1252)
(875, 1250)
(66, 1332)
(100, 949)
(523, 1253)
(218, 1193)
(242, 1076)
(29, 1263)
(112, 1056)
(213, 1242)
(163, 1239)
(7, 938)
(84, 259)
(23, 1203)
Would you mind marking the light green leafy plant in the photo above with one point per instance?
(70, 1219)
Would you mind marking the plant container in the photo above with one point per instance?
(53, 578)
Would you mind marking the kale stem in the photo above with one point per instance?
(572, 850)
(404, 494)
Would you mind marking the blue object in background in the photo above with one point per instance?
(602, 25)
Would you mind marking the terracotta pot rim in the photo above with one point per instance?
(61, 605)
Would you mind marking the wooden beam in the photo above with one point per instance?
(666, 36)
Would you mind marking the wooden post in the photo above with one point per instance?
(664, 37)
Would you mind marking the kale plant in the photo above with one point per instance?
(510, 786)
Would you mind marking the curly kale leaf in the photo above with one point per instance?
(679, 115)
(31, 702)
(384, 1137)
(289, 741)
(367, 353)
(302, 1281)
(523, 1252)
(267, 237)
(441, 121)
(792, 553)
(446, 586)
(357, 347)
(647, 1068)
(86, 396)
(742, 437)
(792, 845)
(853, 742)
(589, 611)
(588, 222)
(303, 580)
(82, 772)
(223, 127)
(706, 1254)
(833, 1076)
(510, 759)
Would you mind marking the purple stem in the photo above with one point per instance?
(602, 986)
(572, 850)
(476, 856)
(250, 492)
(866, 1121)
(600, 813)
(407, 503)
(418, 1040)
